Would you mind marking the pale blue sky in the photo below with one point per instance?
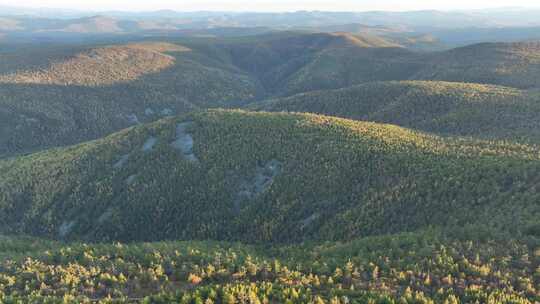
(271, 5)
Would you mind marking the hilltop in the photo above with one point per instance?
(234, 175)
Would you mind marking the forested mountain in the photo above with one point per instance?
(306, 157)
(446, 108)
(234, 175)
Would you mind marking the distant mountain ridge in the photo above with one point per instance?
(431, 30)
(413, 19)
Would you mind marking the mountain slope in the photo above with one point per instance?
(448, 108)
(234, 175)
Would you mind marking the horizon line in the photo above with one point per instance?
(98, 11)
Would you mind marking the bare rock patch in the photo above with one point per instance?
(149, 144)
(259, 183)
(66, 228)
(184, 141)
(121, 162)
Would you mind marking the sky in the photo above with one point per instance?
(270, 5)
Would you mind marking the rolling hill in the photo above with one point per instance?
(446, 108)
(234, 175)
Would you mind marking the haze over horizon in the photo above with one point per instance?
(268, 6)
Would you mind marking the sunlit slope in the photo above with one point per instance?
(101, 66)
(483, 111)
(234, 175)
